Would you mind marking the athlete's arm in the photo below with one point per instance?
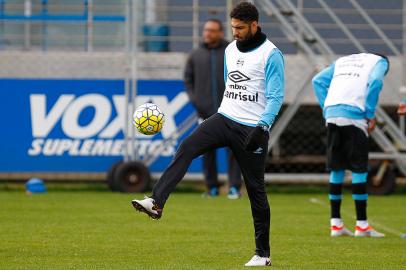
(375, 83)
(274, 87)
(321, 82)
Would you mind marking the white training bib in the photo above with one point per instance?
(350, 80)
(244, 95)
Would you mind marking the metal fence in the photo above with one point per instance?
(87, 25)
(79, 25)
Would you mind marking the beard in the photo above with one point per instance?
(248, 36)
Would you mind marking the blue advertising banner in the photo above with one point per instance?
(55, 125)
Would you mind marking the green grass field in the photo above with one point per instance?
(100, 230)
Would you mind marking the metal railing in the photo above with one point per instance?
(390, 138)
(89, 25)
(46, 26)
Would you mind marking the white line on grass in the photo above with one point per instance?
(348, 214)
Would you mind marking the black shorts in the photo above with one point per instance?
(347, 148)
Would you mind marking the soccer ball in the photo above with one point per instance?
(148, 119)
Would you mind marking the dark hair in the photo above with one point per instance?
(218, 22)
(245, 12)
(386, 58)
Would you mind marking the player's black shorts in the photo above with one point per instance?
(347, 148)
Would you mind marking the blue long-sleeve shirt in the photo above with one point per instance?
(321, 83)
(274, 87)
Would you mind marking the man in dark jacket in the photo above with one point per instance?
(204, 81)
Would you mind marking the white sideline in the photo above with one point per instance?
(348, 214)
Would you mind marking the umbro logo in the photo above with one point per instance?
(237, 77)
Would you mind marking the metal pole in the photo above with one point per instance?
(402, 89)
(136, 11)
(150, 12)
(300, 26)
(229, 32)
(127, 76)
(195, 24)
(404, 47)
(27, 24)
(89, 26)
(1, 23)
(44, 11)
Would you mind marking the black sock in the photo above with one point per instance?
(360, 196)
(361, 209)
(335, 208)
(335, 199)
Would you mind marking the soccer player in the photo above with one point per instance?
(204, 83)
(254, 91)
(348, 92)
